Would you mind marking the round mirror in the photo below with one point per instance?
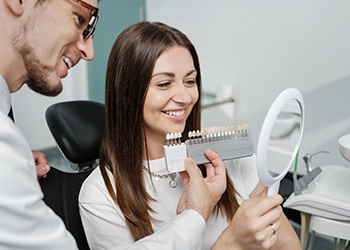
(280, 138)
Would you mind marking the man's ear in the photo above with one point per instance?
(16, 6)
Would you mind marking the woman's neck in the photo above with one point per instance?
(155, 149)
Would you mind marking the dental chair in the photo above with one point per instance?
(77, 128)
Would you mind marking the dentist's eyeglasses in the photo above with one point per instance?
(90, 29)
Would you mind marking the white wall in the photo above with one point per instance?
(29, 107)
(258, 48)
(262, 47)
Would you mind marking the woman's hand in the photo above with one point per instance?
(255, 224)
(202, 194)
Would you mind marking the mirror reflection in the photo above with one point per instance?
(283, 141)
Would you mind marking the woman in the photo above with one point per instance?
(153, 87)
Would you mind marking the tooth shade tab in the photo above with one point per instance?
(173, 138)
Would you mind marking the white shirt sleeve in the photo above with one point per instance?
(105, 226)
(26, 222)
(183, 232)
(243, 172)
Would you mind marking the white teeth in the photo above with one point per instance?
(68, 62)
(175, 113)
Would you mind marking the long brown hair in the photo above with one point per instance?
(129, 73)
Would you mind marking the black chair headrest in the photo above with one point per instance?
(77, 128)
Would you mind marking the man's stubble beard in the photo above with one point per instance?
(41, 78)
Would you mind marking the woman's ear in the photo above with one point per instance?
(15, 6)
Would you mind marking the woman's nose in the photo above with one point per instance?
(182, 94)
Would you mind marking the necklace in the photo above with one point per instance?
(172, 182)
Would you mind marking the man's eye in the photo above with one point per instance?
(81, 19)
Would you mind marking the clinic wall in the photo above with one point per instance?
(259, 48)
(115, 16)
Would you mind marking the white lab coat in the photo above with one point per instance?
(25, 220)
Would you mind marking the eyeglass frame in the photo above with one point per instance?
(90, 29)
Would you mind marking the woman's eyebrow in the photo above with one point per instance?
(191, 72)
(172, 74)
(164, 74)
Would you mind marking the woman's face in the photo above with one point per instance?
(171, 95)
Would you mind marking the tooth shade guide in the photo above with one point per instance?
(230, 142)
(209, 134)
(217, 134)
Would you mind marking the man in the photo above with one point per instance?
(40, 41)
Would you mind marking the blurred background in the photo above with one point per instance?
(249, 51)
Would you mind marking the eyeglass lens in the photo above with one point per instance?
(90, 29)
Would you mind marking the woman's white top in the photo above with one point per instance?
(105, 226)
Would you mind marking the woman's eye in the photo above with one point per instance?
(190, 82)
(163, 84)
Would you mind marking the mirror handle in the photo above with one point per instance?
(273, 188)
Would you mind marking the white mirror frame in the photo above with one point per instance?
(266, 129)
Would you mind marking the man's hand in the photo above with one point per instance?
(202, 194)
(41, 164)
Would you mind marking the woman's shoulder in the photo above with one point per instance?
(95, 178)
(93, 185)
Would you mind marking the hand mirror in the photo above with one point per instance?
(280, 138)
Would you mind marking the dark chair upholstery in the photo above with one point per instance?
(77, 128)
(61, 192)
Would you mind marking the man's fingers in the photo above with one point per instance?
(42, 170)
